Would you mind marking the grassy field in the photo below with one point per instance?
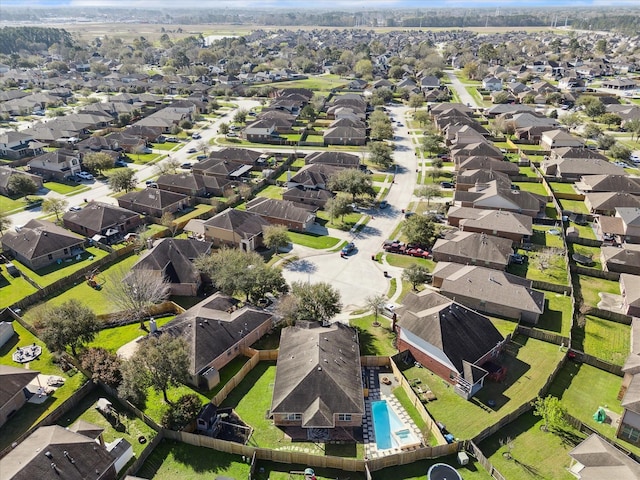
(322, 83)
(582, 389)
(13, 289)
(534, 452)
(374, 340)
(591, 286)
(32, 413)
(526, 374)
(313, 241)
(607, 340)
(9, 204)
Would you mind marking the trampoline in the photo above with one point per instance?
(583, 260)
(442, 471)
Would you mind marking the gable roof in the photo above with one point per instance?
(213, 326)
(462, 334)
(601, 460)
(173, 257)
(242, 223)
(333, 158)
(314, 174)
(36, 456)
(280, 209)
(98, 216)
(40, 237)
(628, 255)
(13, 380)
(318, 374)
(610, 183)
(611, 200)
(477, 246)
(152, 197)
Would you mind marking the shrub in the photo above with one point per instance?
(182, 412)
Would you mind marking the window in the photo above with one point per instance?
(50, 257)
(630, 433)
(293, 416)
(344, 417)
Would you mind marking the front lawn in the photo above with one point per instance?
(113, 338)
(9, 204)
(533, 452)
(526, 374)
(590, 287)
(54, 272)
(606, 340)
(32, 413)
(404, 261)
(313, 241)
(583, 389)
(66, 189)
(345, 222)
(13, 289)
(172, 460)
(374, 340)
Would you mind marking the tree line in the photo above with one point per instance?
(32, 39)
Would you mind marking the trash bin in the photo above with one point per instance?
(373, 257)
(384, 273)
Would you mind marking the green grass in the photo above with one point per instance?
(542, 237)
(585, 231)
(591, 252)
(591, 286)
(379, 177)
(114, 338)
(271, 191)
(174, 460)
(198, 210)
(374, 340)
(144, 158)
(341, 223)
(404, 261)
(324, 83)
(575, 206)
(393, 286)
(54, 272)
(557, 314)
(229, 370)
(9, 204)
(526, 374)
(281, 471)
(167, 146)
(558, 187)
(131, 426)
(504, 326)
(403, 398)
(13, 289)
(527, 172)
(534, 453)
(65, 189)
(554, 272)
(31, 413)
(536, 188)
(154, 405)
(418, 470)
(606, 340)
(582, 389)
(313, 241)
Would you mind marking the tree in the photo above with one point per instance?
(375, 303)
(595, 109)
(610, 119)
(500, 97)
(5, 221)
(416, 101)
(69, 325)
(429, 191)
(620, 152)
(164, 361)
(419, 229)
(552, 412)
(633, 126)
(338, 207)
(103, 365)
(240, 116)
(135, 292)
(352, 181)
(276, 237)
(316, 302)
(168, 166)
(432, 143)
(96, 162)
(605, 142)
(422, 117)
(223, 128)
(181, 413)
(571, 120)
(416, 274)
(54, 205)
(381, 130)
(134, 384)
(592, 130)
(363, 68)
(380, 154)
(123, 179)
(21, 185)
(167, 221)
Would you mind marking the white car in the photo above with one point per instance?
(84, 175)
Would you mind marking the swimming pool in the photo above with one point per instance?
(389, 429)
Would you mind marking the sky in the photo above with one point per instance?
(323, 4)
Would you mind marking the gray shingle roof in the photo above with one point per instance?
(602, 460)
(174, 258)
(478, 247)
(98, 216)
(40, 237)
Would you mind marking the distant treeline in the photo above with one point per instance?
(627, 24)
(31, 39)
(476, 20)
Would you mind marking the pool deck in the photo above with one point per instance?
(379, 391)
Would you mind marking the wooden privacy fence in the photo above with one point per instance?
(543, 335)
(592, 272)
(484, 461)
(552, 287)
(598, 363)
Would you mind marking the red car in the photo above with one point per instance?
(418, 252)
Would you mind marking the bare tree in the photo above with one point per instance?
(136, 291)
(54, 205)
(375, 303)
(167, 221)
(168, 166)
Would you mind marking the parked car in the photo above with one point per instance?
(348, 249)
(389, 310)
(447, 184)
(84, 176)
(202, 157)
(120, 163)
(192, 150)
(186, 165)
(172, 139)
(196, 136)
(418, 252)
(232, 135)
(152, 185)
(75, 208)
(517, 258)
(384, 204)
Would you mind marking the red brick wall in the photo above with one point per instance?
(426, 361)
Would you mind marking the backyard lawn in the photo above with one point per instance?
(534, 452)
(313, 241)
(554, 271)
(13, 289)
(591, 252)
(505, 327)
(537, 188)
(271, 191)
(557, 314)
(606, 340)
(528, 172)
(374, 340)
(31, 413)
(526, 374)
(133, 426)
(590, 287)
(174, 460)
(541, 236)
(418, 470)
(113, 338)
(575, 206)
(582, 389)
(558, 187)
(54, 272)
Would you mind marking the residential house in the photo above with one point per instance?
(13, 392)
(493, 197)
(470, 248)
(332, 158)
(282, 212)
(429, 82)
(514, 226)
(489, 291)
(605, 203)
(621, 260)
(609, 183)
(559, 139)
(314, 177)
(17, 145)
(449, 339)
(318, 382)
(154, 202)
(244, 156)
(7, 172)
(595, 458)
(261, 131)
(195, 185)
(104, 219)
(492, 84)
(56, 165)
(619, 84)
(479, 162)
(625, 224)
(480, 149)
(225, 170)
(172, 259)
(40, 243)
(57, 452)
(574, 168)
(235, 228)
(466, 179)
(307, 197)
(630, 290)
(217, 330)
(345, 136)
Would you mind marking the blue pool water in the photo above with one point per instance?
(389, 429)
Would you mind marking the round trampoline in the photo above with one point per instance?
(442, 471)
